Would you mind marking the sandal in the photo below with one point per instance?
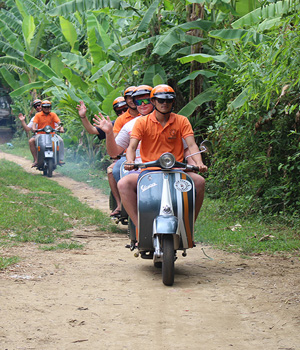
(34, 165)
(116, 212)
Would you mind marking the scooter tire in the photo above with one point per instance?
(50, 167)
(168, 260)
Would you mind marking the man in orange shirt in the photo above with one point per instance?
(37, 105)
(159, 132)
(43, 118)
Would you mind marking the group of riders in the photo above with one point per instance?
(145, 128)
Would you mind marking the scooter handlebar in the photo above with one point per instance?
(193, 168)
(49, 130)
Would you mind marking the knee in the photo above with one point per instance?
(109, 169)
(122, 184)
(199, 182)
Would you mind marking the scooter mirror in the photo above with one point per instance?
(206, 147)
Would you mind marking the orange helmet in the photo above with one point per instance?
(46, 103)
(129, 91)
(163, 91)
(141, 90)
(119, 102)
(36, 102)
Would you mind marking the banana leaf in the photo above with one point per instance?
(41, 66)
(239, 35)
(25, 88)
(144, 25)
(194, 75)
(206, 96)
(9, 78)
(69, 31)
(102, 70)
(203, 58)
(84, 5)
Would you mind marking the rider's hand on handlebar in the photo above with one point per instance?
(129, 165)
(202, 168)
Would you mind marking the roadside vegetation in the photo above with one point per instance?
(36, 209)
(217, 226)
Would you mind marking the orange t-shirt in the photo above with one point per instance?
(121, 121)
(43, 119)
(156, 139)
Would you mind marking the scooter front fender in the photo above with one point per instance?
(165, 224)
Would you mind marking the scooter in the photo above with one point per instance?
(48, 150)
(166, 206)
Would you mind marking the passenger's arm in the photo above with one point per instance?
(24, 125)
(85, 122)
(193, 148)
(130, 153)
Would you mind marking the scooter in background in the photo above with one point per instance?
(48, 150)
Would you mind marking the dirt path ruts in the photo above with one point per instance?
(104, 298)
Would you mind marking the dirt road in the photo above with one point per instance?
(105, 298)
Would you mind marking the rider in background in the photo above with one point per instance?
(117, 145)
(43, 118)
(120, 107)
(159, 132)
(37, 105)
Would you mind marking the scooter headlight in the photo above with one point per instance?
(167, 160)
(47, 128)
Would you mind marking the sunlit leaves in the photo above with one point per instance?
(68, 31)
(272, 10)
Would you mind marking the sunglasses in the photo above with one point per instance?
(164, 100)
(121, 111)
(139, 102)
(38, 105)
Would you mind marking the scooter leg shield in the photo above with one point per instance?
(41, 146)
(182, 193)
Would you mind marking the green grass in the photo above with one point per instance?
(5, 262)
(35, 209)
(63, 245)
(256, 234)
(245, 235)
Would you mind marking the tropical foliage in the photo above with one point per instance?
(233, 65)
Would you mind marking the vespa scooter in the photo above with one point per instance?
(48, 150)
(166, 206)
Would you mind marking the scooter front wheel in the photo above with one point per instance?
(168, 260)
(50, 167)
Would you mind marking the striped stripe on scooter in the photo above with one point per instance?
(183, 217)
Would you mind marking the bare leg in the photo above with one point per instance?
(128, 192)
(113, 186)
(199, 182)
(114, 190)
(33, 149)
